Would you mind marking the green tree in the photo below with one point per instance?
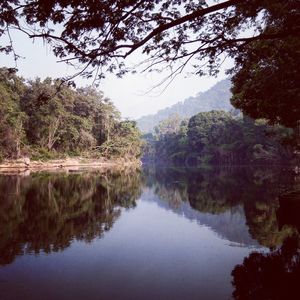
(12, 136)
(125, 141)
(206, 127)
(265, 81)
(47, 119)
(223, 138)
(260, 35)
(46, 113)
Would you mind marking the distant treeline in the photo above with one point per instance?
(44, 119)
(219, 137)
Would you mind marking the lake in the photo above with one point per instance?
(158, 233)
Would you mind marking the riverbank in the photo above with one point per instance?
(71, 164)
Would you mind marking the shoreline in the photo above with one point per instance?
(68, 164)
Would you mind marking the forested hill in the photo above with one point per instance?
(216, 98)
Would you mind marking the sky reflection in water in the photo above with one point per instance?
(159, 234)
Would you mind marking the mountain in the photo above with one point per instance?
(216, 98)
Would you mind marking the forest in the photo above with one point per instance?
(260, 37)
(45, 119)
(219, 137)
(221, 191)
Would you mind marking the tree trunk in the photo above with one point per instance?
(18, 149)
(52, 130)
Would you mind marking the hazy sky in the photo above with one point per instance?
(131, 94)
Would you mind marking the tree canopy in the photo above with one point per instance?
(266, 81)
(45, 119)
(100, 35)
(218, 137)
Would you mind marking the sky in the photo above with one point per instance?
(133, 95)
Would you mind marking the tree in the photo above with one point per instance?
(265, 84)
(47, 119)
(46, 112)
(219, 137)
(96, 33)
(206, 127)
(91, 104)
(125, 141)
(12, 136)
(101, 34)
(168, 126)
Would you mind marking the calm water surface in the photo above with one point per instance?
(154, 234)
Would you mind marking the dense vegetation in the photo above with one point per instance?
(220, 138)
(216, 98)
(46, 119)
(266, 78)
(261, 36)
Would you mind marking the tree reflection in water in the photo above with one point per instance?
(269, 276)
(220, 190)
(275, 275)
(272, 220)
(45, 212)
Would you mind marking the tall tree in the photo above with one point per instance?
(47, 119)
(12, 136)
(96, 33)
(125, 141)
(219, 137)
(101, 34)
(46, 111)
(266, 78)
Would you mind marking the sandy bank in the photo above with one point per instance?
(74, 164)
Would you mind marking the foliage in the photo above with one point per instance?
(265, 81)
(261, 36)
(11, 117)
(47, 119)
(99, 33)
(221, 138)
(125, 141)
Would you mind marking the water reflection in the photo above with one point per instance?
(46, 212)
(253, 194)
(180, 233)
(271, 205)
(274, 275)
(269, 276)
